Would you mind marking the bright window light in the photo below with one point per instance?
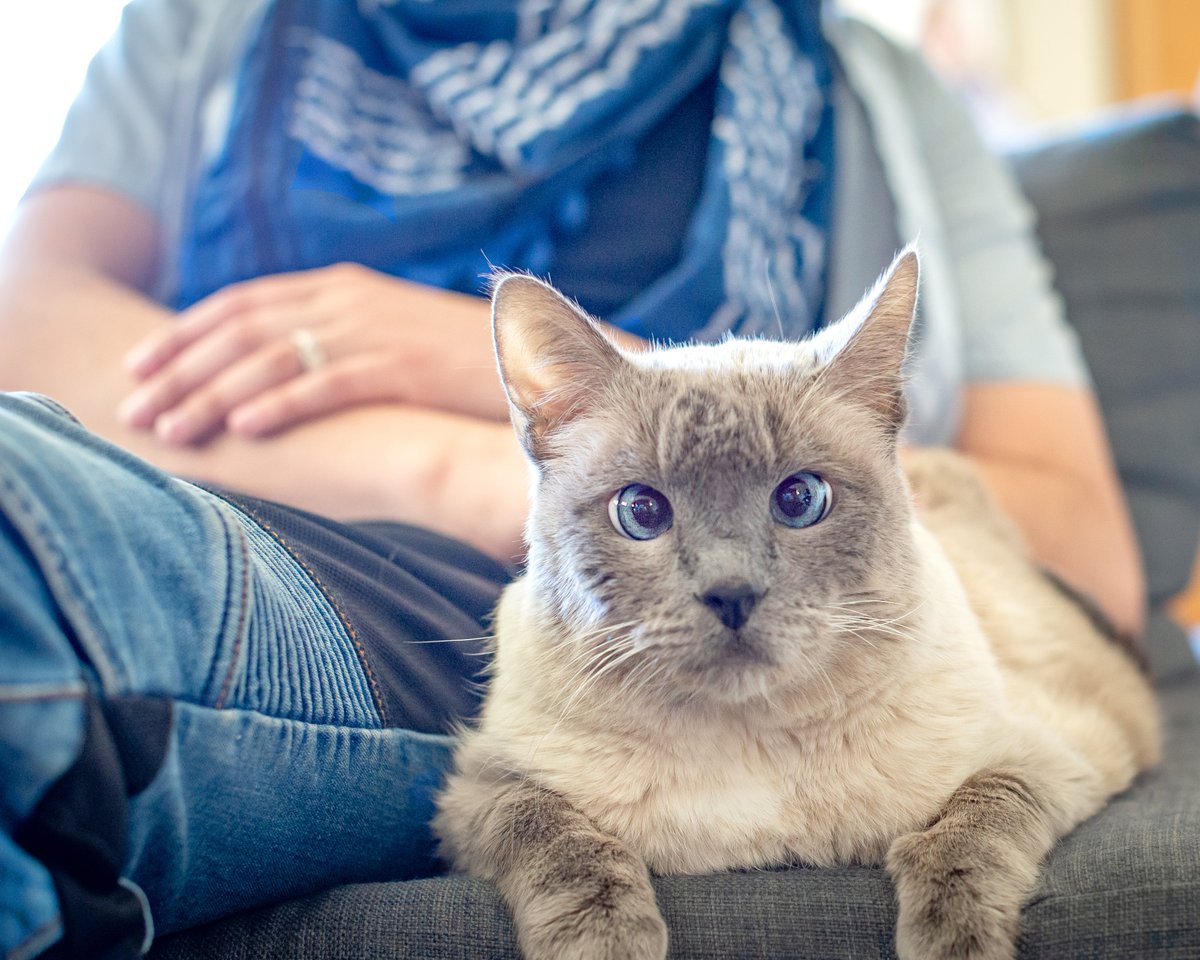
(44, 52)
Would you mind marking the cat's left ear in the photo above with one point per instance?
(554, 359)
(864, 352)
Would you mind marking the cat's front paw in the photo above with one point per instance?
(565, 928)
(959, 899)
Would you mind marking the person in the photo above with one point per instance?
(254, 260)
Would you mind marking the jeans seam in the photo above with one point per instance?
(41, 692)
(235, 653)
(49, 403)
(359, 650)
(55, 566)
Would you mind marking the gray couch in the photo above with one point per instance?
(1119, 213)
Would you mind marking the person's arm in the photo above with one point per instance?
(231, 362)
(1042, 451)
(72, 271)
(70, 309)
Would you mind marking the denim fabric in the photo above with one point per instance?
(41, 723)
(279, 778)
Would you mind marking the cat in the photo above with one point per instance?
(737, 644)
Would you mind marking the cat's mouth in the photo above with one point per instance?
(734, 678)
(731, 665)
(742, 648)
(721, 664)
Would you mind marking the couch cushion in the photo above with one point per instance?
(1125, 884)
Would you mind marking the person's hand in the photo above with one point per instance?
(266, 354)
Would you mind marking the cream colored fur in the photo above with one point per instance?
(956, 735)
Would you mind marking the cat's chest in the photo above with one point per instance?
(727, 801)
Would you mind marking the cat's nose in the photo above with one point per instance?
(731, 602)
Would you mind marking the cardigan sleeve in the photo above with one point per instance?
(1011, 319)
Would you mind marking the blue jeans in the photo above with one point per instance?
(200, 710)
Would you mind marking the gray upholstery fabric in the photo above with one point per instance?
(1120, 217)
(1125, 884)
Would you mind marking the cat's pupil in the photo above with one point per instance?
(795, 499)
(640, 512)
(801, 500)
(646, 510)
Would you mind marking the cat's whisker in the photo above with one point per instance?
(907, 613)
(886, 629)
(816, 668)
(868, 596)
(635, 676)
(581, 653)
(854, 604)
(840, 635)
(774, 301)
(882, 629)
(601, 661)
(586, 674)
(849, 637)
(610, 667)
(652, 670)
(866, 620)
(611, 664)
(489, 637)
(863, 613)
(589, 659)
(860, 629)
(899, 617)
(885, 626)
(588, 636)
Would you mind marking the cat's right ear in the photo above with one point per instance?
(864, 352)
(554, 359)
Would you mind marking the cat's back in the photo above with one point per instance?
(1058, 664)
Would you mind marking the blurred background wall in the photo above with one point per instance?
(44, 50)
(1028, 65)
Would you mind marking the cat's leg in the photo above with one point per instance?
(575, 892)
(961, 883)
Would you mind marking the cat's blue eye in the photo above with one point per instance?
(640, 512)
(801, 500)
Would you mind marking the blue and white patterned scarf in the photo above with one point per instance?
(432, 139)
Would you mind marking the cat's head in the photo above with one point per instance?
(730, 516)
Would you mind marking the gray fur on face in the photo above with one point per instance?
(716, 430)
